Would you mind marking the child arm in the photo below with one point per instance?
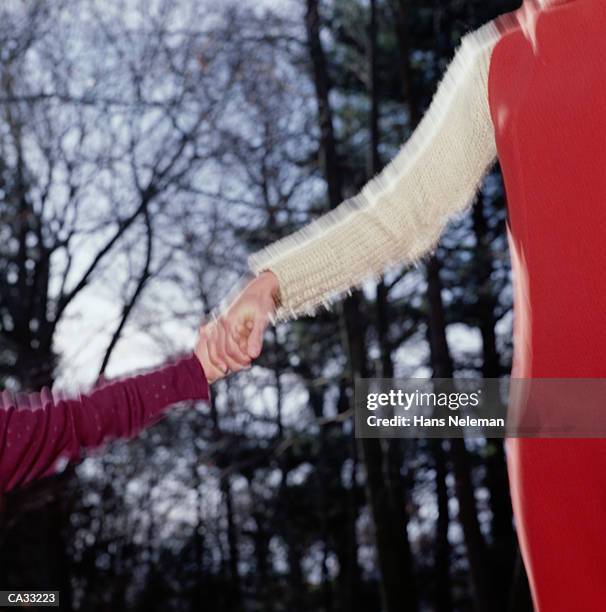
(38, 434)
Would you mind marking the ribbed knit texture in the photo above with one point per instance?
(39, 434)
(400, 214)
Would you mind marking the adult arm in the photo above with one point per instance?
(398, 217)
(400, 214)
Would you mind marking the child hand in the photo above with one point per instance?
(221, 353)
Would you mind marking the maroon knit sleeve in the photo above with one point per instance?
(39, 434)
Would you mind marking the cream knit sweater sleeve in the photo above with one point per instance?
(399, 215)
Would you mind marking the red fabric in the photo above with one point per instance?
(38, 434)
(547, 90)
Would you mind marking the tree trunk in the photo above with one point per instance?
(442, 366)
(397, 585)
(349, 579)
(393, 457)
(442, 552)
(505, 547)
(441, 360)
(232, 543)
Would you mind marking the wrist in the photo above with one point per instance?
(273, 284)
(197, 376)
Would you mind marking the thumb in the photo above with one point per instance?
(255, 340)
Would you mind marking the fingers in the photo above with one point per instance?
(229, 350)
(223, 351)
(236, 337)
(210, 370)
(240, 336)
(213, 347)
(255, 340)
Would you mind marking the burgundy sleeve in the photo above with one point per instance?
(38, 434)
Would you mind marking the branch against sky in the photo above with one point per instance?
(104, 117)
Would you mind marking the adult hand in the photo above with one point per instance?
(214, 369)
(235, 337)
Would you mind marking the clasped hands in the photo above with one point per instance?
(233, 339)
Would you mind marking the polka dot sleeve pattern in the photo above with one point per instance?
(39, 434)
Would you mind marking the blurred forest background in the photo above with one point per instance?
(146, 147)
